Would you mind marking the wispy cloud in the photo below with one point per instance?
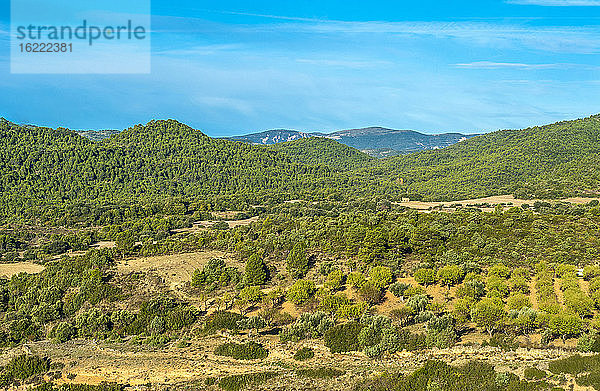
(558, 3)
(516, 65)
(558, 39)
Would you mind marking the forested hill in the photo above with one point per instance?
(323, 151)
(555, 160)
(44, 171)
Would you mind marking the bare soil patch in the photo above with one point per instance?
(175, 270)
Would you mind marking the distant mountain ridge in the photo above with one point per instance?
(375, 141)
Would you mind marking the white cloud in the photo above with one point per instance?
(515, 65)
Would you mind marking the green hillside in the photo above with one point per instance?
(48, 173)
(45, 171)
(323, 151)
(555, 160)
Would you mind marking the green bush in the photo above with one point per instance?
(343, 337)
(381, 276)
(240, 382)
(245, 351)
(25, 366)
(304, 354)
(371, 293)
(575, 364)
(425, 276)
(532, 373)
(589, 342)
(307, 326)
(222, 320)
(63, 332)
(301, 291)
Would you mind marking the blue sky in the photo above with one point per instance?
(233, 67)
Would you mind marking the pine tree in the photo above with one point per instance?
(256, 270)
(297, 261)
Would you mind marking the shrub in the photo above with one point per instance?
(489, 314)
(578, 302)
(403, 315)
(215, 273)
(301, 291)
(499, 270)
(335, 280)
(355, 279)
(297, 261)
(304, 354)
(240, 382)
(418, 303)
(497, 287)
(591, 271)
(576, 364)
(222, 320)
(352, 311)
(517, 301)
(63, 332)
(399, 289)
(256, 272)
(532, 373)
(424, 276)
(307, 326)
(381, 276)
(251, 295)
(246, 351)
(589, 342)
(253, 322)
(332, 303)
(502, 341)
(25, 366)
(93, 323)
(371, 293)
(343, 337)
(565, 325)
(414, 291)
(449, 275)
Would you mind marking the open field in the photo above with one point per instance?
(506, 200)
(200, 225)
(174, 270)
(10, 269)
(94, 362)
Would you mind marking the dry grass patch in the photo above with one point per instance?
(10, 269)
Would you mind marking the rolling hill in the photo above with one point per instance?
(162, 160)
(45, 172)
(555, 160)
(375, 141)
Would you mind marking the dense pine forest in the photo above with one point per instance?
(298, 265)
